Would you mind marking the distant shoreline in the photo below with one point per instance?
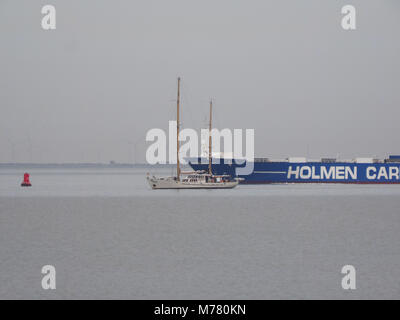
(81, 165)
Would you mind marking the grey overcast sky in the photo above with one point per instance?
(91, 89)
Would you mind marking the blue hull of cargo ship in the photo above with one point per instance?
(306, 172)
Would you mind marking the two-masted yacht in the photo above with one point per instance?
(195, 179)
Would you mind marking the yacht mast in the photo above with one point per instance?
(209, 142)
(178, 169)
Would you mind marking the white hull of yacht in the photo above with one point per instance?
(173, 183)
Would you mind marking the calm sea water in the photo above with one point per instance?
(110, 236)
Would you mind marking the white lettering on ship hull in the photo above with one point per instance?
(391, 173)
(307, 172)
(325, 174)
(342, 173)
(394, 173)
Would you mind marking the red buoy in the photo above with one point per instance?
(26, 182)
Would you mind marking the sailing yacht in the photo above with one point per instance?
(195, 179)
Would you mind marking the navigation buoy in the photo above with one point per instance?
(26, 182)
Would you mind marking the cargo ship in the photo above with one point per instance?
(302, 170)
